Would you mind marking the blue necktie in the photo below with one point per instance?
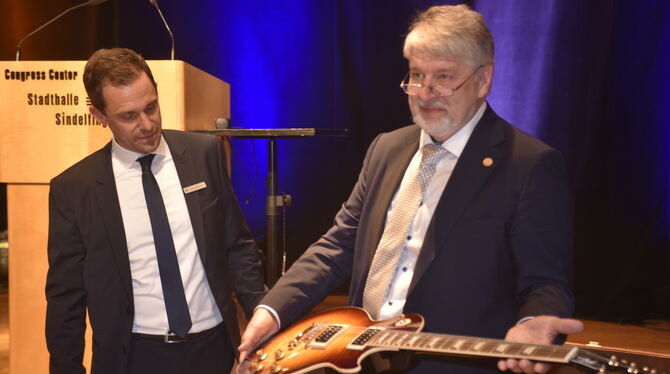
(176, 306)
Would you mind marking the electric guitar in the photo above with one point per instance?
(341, 338)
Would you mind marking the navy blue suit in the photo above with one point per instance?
(88, 258)
(498, 248)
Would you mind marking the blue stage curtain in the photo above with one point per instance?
(588, 77)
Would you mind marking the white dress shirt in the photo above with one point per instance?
(150, 315)
(397, 294)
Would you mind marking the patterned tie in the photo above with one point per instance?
(176, 306)
(400, 220)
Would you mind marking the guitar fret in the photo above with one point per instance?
(412, 340)
(478, 346)
(399, 339)
(490, 346)
(528, 350)
(466, 346)
(380, 338)
(446, 342)
(502, 348)
(432, 343)
(514, 349)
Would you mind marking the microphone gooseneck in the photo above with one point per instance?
(155, 4)
(66, 11)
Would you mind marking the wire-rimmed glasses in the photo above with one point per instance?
(440, 90)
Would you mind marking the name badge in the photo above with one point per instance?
(195, 187)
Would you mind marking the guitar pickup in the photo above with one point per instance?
(362, 340)
(326, 336)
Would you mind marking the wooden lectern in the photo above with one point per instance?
(45, 127)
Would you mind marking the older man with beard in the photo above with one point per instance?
(461, 218)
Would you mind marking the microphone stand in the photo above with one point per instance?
(274, 201)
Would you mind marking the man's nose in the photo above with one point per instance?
(427, 93)
(145, 123)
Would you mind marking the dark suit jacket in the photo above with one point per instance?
(498, 248)
(88, 257)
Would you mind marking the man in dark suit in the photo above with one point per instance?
(461, 218)
(146, 236)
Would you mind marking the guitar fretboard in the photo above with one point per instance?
(462, 345)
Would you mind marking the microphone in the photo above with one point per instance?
(222, 123)
(155, 4)
(68, 10)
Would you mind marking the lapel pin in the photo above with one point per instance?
(487, 161)
(195, 187)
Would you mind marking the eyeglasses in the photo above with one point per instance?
(438, 89)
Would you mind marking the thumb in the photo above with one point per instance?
(569, 326)
(247, 344)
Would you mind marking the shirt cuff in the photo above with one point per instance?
(524, 319)
(274, 313)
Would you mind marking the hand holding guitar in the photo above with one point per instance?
(537, 330)
(260, 328)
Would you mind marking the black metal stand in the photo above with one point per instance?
(274, 201)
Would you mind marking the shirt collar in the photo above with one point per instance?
(128, 158)
(456, 143)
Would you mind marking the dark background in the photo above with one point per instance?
(587, 77)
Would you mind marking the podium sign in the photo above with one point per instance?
(45, 127)
(45, 122)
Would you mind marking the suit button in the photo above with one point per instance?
(129, 310)
(124, 349)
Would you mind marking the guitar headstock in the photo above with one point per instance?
(612, 364)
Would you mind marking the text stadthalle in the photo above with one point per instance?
(53, 99)
(51, 74)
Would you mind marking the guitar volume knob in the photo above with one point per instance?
(279, 354)
(261, 354)
(275, 368)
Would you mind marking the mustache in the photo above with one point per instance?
(432, 105)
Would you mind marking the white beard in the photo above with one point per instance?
(440, 129)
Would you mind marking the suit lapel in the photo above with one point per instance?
(108, 202)
(468, 176)
(187, 177)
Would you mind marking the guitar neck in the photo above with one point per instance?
(467, 346)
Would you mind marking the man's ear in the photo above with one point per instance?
(100, 116)
(485, 81)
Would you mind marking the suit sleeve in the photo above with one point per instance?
(66, 297)
(242, 254)
(542, 240)
(327, 263)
